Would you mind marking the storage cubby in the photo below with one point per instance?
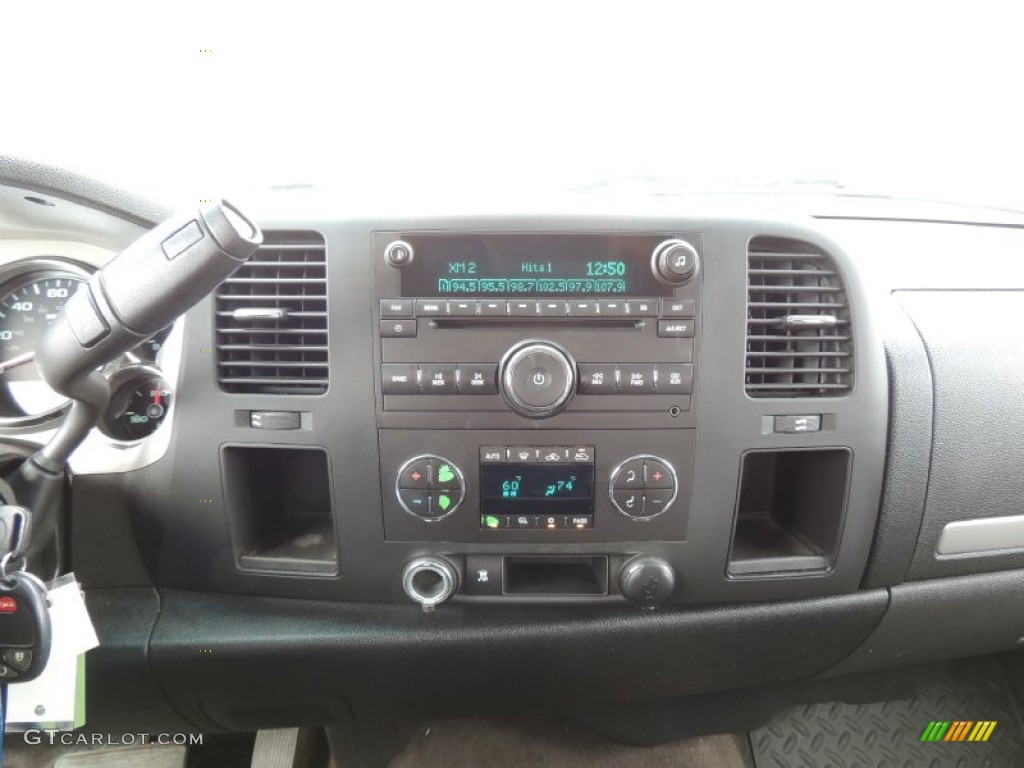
(279, 504)
(790, 511)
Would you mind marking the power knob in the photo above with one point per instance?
(647, 581)
(675, 262)
(537, 378)
(398, 254)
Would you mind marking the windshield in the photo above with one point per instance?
(475, 99)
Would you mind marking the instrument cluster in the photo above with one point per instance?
(33, 292)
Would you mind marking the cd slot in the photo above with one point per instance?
(605, 324)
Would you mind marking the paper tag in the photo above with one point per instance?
(71, 628)
(54, 700)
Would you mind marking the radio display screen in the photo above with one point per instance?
(532, 265)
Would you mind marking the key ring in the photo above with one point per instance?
(5, 566)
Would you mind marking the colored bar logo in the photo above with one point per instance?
(959, 730)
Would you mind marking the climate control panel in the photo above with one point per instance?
(508, 486)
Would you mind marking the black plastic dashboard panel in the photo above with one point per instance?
(302, 659)
(909, 450)
(176, 506)
(977, 365)
(944, 618)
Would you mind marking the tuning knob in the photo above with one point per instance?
(537, 378)
(647, 581)
(675, 262)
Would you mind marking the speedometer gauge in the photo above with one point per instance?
(29, 304)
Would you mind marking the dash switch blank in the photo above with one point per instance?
(794, 425)
(275, 419)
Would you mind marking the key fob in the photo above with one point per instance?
(24, 628)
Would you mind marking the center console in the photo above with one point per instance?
(537, 388)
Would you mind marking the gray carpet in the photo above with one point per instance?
(553, 744)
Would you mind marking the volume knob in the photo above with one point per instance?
(537, 378)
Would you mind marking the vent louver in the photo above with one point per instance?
(799, 333)
(272, 319)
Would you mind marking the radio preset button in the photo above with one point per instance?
(396, 307)
(611, 308)
(399, 379)
(438, 379)
(462, 308)
(491, 308)
(552, 309)
(583, 308)
(596, 379)
(522, 308)
(397, 329)
(478, 378)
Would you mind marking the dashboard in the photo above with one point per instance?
(708, 444)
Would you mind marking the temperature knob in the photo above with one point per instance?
(675, 262)
(537, 378)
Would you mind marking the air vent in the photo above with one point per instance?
(799, 334)
(272, 319)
